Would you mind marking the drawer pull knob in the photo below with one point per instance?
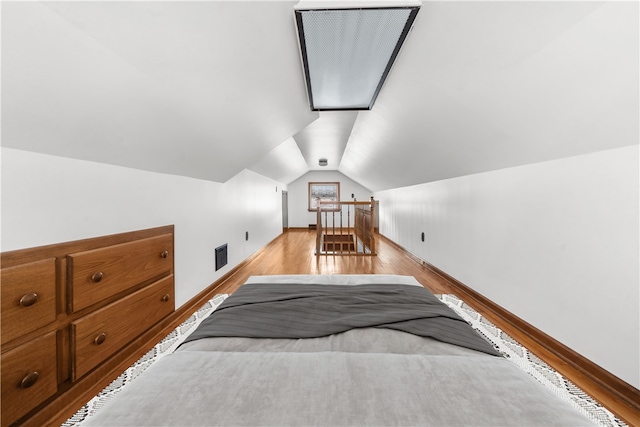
(96, 277)
(29, 380)
(28, 299)
(164, 254)
(100, 339)
(166, 298)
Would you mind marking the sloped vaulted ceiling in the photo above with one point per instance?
(490, 85)
(208, 88)
(201, 89)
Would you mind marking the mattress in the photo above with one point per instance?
(363, 376)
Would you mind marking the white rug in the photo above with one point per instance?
(511, 350)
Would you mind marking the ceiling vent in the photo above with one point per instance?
(348, 52)
(323, 162)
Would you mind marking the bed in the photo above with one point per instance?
(335, 350)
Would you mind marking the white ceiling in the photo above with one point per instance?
(208, 88)
(326, 138)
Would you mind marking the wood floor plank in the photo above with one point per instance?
(293, 253)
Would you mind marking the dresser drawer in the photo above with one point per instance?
(100, 334)
(98, 274)
(28, 298)
(29, 376)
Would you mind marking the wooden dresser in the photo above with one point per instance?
(73, 312)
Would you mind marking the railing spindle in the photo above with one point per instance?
(349, 226)
(319, 229)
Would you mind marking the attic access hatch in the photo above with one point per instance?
(348, 51)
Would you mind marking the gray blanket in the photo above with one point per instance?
(268, 310)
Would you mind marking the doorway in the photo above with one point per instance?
(285, 210)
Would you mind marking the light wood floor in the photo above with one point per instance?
(293, 253)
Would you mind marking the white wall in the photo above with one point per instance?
(299, 216)
(47, 199)
(555, 243)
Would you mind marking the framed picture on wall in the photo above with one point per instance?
(324, 191)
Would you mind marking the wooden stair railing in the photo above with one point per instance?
(334, 238)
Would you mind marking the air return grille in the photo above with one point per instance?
(221, 256)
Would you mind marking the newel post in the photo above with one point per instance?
(318, 227)
(372, 226)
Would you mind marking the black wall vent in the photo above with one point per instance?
(221, 256)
